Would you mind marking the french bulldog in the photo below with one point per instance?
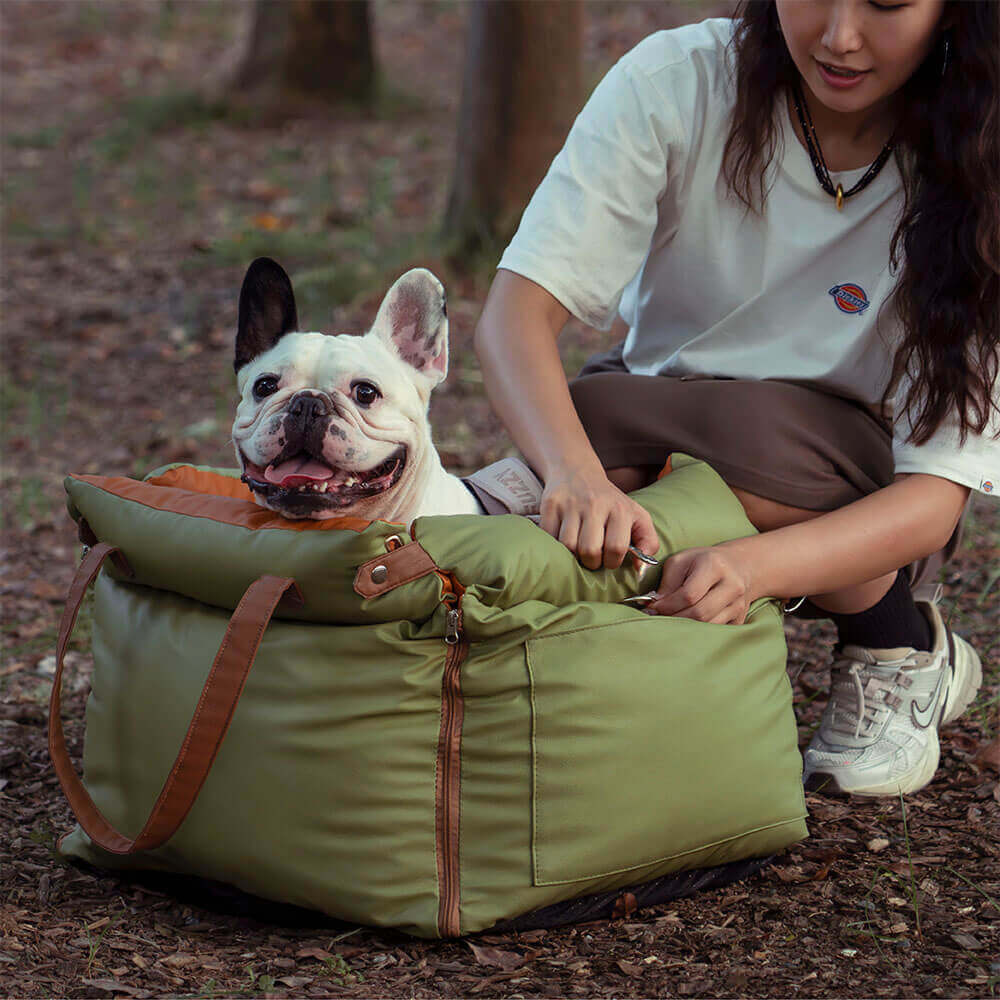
(336, 425)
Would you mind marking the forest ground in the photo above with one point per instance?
(132, 204)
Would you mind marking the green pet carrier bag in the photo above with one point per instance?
(440, 730)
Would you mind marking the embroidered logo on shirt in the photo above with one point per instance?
(986, 486)
(850, 298)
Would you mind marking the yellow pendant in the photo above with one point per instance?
(840, 197)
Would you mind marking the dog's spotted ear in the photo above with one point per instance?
(267, 310)
(413, 322)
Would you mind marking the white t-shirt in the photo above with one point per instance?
(635, 217)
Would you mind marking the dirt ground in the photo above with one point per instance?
(132, 204)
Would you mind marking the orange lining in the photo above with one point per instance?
(199, 493)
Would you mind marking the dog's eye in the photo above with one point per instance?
(365, 393)
(266, 385)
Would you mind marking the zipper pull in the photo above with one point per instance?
(453, 624)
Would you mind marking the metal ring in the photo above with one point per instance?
(788, 609)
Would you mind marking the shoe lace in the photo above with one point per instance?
(866, 687)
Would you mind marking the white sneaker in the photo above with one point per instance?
(879, 735)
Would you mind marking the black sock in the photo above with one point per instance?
(893, 621)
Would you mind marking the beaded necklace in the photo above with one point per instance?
(819, 164)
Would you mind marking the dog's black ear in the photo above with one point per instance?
(413, 321)
(267, 310)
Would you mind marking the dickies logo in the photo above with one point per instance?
(850, 298)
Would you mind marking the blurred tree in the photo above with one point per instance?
(521, 90)
(310, 48)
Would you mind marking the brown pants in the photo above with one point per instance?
(780, 440)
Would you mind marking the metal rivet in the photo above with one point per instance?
(380, 574)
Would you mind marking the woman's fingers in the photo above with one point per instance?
(644, 536)
(704, 584)
(596, 521)
(617, 537)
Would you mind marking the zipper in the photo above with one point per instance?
(449, 773)
(453, 622)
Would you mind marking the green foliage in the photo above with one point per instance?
(47, 137)
(338, 970)
(30, 503)
(94, 944)
(142, 117)
(259, 984)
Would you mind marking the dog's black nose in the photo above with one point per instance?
(309, 406)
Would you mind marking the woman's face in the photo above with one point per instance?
(884, 42)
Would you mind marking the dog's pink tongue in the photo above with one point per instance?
(297, 471)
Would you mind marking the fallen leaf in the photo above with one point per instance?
(790, 874)
(629, 969)
(269, 222)
(264, 190)
(989, 754)
(625, 904)
(48, 591)
(294, 982)
(897, 929)
(695, 986)
(966, 941)
(532, 936)
(506, 960)
(110, 986)
(312, 952)
(877, 844)
(822, 872)
(179, 960)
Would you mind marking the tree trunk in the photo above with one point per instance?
(309, 48)
(521, 90)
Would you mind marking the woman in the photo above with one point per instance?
(794, 215)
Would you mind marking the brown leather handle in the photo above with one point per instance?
(208, 726)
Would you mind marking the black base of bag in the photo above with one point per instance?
(605, 905)
(220, 898)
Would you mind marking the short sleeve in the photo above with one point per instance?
(589, 225)
(974, 463)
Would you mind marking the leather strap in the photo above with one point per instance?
(385, 573)
(208, 726)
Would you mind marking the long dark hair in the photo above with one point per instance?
(948, 237)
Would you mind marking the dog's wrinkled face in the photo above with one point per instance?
(329, 426)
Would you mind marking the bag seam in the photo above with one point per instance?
(679, 854)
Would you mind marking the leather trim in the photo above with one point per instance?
(243, 513)
(408, 562)
(187, 477)
(208, 726)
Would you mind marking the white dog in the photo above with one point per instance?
(329, 426)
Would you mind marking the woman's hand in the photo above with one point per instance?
(706, 584)
(594, 519)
